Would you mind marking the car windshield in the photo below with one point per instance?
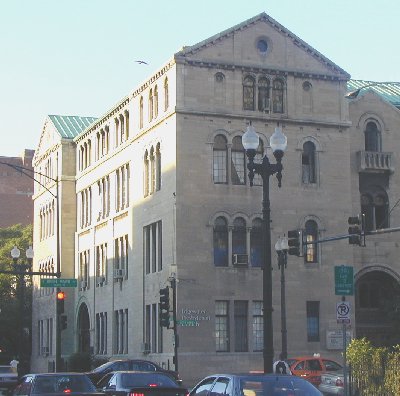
(62, 384)
(6, 369)
(131, 380)
(276, 386)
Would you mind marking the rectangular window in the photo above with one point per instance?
(222, 326)
(101, 264)
(240, 320)
(154, 327)
(152, 246)
(219, 166)
(101, 333)
(122, 188)
(313, 321)
(258, 326)
(121, 331)
(121, 257)
(84, 265)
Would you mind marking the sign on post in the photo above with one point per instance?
(344, 280)
(58, 282)
(343, 312)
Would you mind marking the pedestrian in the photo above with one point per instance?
(281, 367)
(14, 364)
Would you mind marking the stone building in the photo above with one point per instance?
(16, 190)
(157, 189)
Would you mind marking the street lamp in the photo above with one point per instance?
(282, 247)
(21, 270)
(278, 144)
(355, 93)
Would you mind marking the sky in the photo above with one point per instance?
(77, 57)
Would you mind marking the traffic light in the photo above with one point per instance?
(63, 322)
(164, 307)
(60, 302)
(295, 242)
(355, 230)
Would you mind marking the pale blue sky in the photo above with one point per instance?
(76, 57)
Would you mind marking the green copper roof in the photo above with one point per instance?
(389, 91)
(71, 126)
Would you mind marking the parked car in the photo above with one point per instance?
(311, 367)
(8, 377)
(55, 384)
(129, 365)
(254, 385)
(127, 383)
(333, 384)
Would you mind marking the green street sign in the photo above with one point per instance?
(58, 282)
(187, 323)
(344, 280)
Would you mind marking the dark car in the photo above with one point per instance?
(55, 384)
(254, 385)
(129, 365)
(127, 383)
(8, 377)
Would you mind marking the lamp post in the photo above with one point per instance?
(355, 93)
(282, 247)
(21, 270)
(278, 144)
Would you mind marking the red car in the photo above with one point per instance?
(311, 367)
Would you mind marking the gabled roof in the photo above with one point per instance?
(389, 91)
(70, 126)
(276, 25)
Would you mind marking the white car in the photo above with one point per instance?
(8, 377)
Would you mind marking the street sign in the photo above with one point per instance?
(187, 323)
(343, 312)
(344, 280)
(58, 282)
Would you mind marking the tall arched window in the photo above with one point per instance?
(158, 168)
(219, 88)
(141, 112)
(311, 235)
(263, 94)
(166, 94)
(126, 113)
(238, 159)
(307, 97)
(256, 243)
(151, 104)
(308, 163)
(152, 171)
(372, 137)
(220, 156)
(249, 93)
(146, 174)
(277, 96)
(220, 236)
(239, 238)
(375, 208)
(155, 102)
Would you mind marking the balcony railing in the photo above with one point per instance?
(375, 161)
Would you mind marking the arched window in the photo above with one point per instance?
(257, 181)
(141, 112)
(126, 113)
(158, 168)
(238, 170)
(311, 235)
(277, 96)
(239, 239)
(219, 88)
(151, 104)
(307, 97)
(220, 155)
(263, 94)
(375, 208)
(220, 242)
(249, 93)
(166, 94)
(146, 174)
(372, 137)
(121, 128)
(152, 171)
(308, 163)
(256, 243)
(155, 102)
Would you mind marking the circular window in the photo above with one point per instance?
(262, 46)
(306, 86)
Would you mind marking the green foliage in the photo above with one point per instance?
(374, 369)
(80, 362)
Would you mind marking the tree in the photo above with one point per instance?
(10, 342)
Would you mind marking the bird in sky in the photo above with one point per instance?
(141, 62)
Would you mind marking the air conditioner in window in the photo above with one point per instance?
(145, 348)
(240, 259)
(119, 273)
(84, 284)
(100, 280)
(45, 351)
